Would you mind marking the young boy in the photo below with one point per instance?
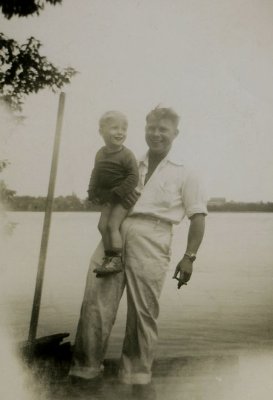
(114, 176)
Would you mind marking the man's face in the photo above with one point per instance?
(114, 133)
(160, 135)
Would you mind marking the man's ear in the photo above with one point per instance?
(176, 132)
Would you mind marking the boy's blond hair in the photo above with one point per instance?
(109, 116)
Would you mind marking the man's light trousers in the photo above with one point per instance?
(146, 251)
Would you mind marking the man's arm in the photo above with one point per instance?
(183, 269)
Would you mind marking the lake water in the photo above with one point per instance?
(226, 308)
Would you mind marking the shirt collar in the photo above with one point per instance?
(172, 157)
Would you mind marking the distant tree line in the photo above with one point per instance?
(61, 203)
(233, 206)
(72, 202)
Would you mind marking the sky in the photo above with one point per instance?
(211, 60)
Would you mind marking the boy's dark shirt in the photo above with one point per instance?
(114, 173)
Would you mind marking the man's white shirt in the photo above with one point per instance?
(172, 192)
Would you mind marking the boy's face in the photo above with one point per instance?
(160, 135)
(114, 133)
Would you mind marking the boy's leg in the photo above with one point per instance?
(103, 226)
(98, 313)
(113, 264)
(115, 219)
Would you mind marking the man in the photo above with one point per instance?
(168, 193)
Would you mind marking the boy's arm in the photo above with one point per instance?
(131, 180)
(93, 182)
(92, 186)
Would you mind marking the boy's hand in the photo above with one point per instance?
(183, 272)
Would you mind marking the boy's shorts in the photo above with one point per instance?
(104, 196)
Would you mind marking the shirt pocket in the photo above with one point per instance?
(168, 192)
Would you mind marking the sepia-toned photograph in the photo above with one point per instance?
(136, 199)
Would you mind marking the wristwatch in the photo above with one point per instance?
(190, 256)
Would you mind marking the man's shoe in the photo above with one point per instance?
(111, 265)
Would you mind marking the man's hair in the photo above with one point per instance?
(109, 116)
(159, 113)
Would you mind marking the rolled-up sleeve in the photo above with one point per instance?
(194, 196)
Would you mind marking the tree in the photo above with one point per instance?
(23, 8)
(3, 164)
(23, 69)
(6, 195)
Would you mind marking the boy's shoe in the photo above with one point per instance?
(110, 265)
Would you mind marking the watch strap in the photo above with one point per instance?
(191, 256)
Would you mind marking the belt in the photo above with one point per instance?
(147, 217)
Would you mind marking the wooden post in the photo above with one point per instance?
(46, 225)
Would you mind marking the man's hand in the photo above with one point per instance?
(183, 272)
(130, 199)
